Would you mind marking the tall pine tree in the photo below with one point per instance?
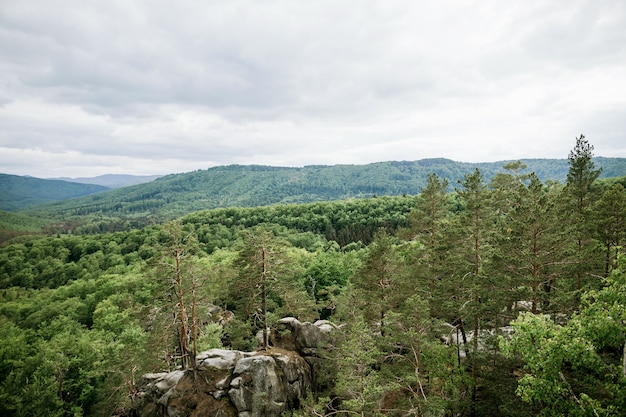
(580, 179)
(530, 244)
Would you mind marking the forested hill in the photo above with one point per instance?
(113, 180)
(17, 192)
(248, 186)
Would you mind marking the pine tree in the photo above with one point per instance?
(475, 281)
(182, 286)
(264, 279)
(358, 383)
(580, 179)
(582, 173)
(609, 219)
(418, 366)
(376, 282)
(530, 242)
(425, 226)
(475, 248)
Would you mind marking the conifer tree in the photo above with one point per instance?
(582, 173)
(377, 281)
(425, 225)
(418, 366)
(580, 179)
(359, 385)
(263, 280)
(529, 243)
(609, 218)
(475, 248)
(475, 281)
(182, 287)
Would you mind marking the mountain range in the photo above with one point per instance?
(255, 185)
(112, 180)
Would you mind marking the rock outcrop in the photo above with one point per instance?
(230, 383)
(305, 338)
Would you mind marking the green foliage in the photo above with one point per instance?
(472, 256)
(571, 370)
(326, 276)
(530, 242)
(210, 337)
(68, 348)
(358, 383)
(609, 222)
(14, 224)
(578, 198)
(422, 371)
(378, 290)
(344, 221)
(266, 287)
(582, 172)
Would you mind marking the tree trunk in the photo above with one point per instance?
(624, 361)
(182, 312)
(264, 300)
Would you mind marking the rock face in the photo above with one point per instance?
(230, 383)
(305, 338)
(269, 384)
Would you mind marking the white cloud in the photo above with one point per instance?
(130, 86)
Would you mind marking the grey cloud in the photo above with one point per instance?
(239, 57)
(580, 35)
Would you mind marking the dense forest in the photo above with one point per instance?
(499, 296)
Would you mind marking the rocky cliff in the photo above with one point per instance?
(231, 383)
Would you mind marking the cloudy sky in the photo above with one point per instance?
(163, 86)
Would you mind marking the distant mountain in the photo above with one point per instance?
(253, 185)
(113, 180)
(17, 192)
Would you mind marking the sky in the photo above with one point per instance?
(167, 86)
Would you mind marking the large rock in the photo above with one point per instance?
(219, 359)
(269, 383)
(229, 383)
(185, 393)
(305, 338)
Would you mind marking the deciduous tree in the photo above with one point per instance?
(578, 368)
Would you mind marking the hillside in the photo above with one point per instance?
(248, 186)
(17, 192)
(14, 224)
(113, 180)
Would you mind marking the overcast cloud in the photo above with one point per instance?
(162, 86)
